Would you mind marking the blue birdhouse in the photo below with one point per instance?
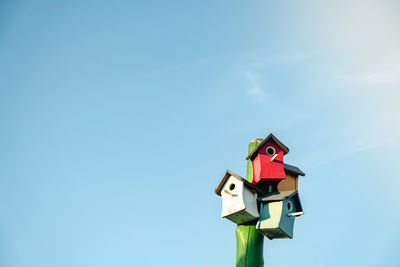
(277, 213)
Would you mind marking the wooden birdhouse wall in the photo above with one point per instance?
(239, 203)
(274, 220)
(277, 214)
(270, 216)
(290, 183)
(287, 222)
(264, 168)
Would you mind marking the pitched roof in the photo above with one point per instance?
(293, 169)
(225, 177)
(279, 196)
(253, 154)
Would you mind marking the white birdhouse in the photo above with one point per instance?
(239, 198)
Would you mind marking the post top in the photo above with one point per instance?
(256, 140)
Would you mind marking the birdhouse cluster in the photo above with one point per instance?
(269, 197)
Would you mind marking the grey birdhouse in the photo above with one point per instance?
(277, 213)
(239, 198)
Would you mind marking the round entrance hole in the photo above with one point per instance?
(289, 205)
(270, 151)
(231, 187)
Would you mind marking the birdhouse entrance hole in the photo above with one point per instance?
(289, 205)
(270, 151)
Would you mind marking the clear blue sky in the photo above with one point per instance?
(118, 118)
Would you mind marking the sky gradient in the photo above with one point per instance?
(118, 118)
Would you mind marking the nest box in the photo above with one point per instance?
(267, 160)
(277, 213)
(239, 198)
(292, 178)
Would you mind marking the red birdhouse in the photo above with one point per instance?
(267, 160)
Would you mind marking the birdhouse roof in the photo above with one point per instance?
(293, 169)
(279, 196)
(225, 177)
(253, 153)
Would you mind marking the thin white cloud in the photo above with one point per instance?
(286, 58)
(389, 76)
(359, 145)
(255, 85)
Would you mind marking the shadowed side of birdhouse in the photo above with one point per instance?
(277, 214)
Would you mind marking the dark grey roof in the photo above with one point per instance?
(293, 169)
(279, 196)
(225, 177)
(253, 154)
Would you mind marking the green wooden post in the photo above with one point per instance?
(249, 241)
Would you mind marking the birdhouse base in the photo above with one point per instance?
(274, 233)
(241, 217)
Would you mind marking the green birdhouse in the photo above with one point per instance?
(277, 213)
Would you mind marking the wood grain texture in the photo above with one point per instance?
(290, 183)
